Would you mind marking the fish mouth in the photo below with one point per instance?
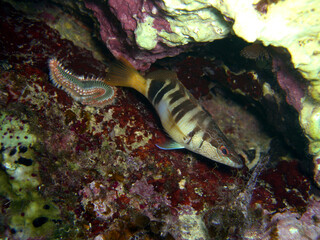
(234, 163)
(238, 163)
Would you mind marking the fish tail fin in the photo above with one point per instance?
(123, 74)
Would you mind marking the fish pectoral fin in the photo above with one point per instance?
(169, 145)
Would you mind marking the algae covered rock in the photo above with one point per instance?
(199, 25)
(29, 214)
(293, 25)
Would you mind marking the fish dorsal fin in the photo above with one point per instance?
(162, 75)
(169, 145)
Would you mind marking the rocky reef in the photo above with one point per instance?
(73, 170)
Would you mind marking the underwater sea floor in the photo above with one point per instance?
(71, 171)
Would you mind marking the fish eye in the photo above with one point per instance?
(224, 150)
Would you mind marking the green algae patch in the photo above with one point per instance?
(29, 215)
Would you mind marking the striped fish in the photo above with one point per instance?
(182, 117)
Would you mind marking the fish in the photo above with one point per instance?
(181, 115)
